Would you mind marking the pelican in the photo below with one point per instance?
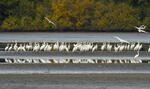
(137, 55)
(121, 40)
(50, 21)
(140, 29)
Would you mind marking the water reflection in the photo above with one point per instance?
(65, 61)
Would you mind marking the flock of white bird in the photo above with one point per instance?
(45, 46)
(74, 61)
(83, 47)
(79, 46)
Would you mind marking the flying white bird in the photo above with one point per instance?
(141, 29)
(50, 21)
(121, 40)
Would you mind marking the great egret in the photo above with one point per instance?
(43, 46)
(141, 29)
(121, 40)
(7, 47)
(29, 46)
(50, 21)
(94, 48)
(10, 48)
(103, 46)
(15, 47)
(56, 46)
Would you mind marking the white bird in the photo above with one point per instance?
(36, 47)
(140, 29)
(15, 47)
(137, 55)
(10, 48)
(43, 46)
(116, 48)
(94, 48)
(49, 47)
(20, 47)
(6, 48)
(29, 47)
(103, 46)
(149, 49)
(121, 40)
(50, 21)
(75, 49)
(56, 46)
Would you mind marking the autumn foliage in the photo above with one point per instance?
(74, 15)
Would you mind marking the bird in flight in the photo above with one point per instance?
(141, 29)
(50, 21)
(121, 40)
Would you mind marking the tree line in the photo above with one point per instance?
(74, 15)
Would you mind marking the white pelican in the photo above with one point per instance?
(50, 21)
(141, 29)
(121, 40)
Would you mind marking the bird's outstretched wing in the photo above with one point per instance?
(50, 21)
(121, 40)
(143, 31)
(140, 28)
